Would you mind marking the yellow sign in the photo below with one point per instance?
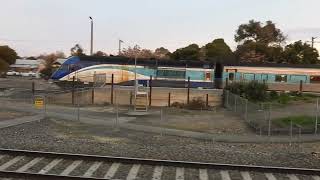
(39, 102)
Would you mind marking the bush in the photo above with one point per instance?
(237, 88)
(273, 95)
(256, 91)
(284, 98)
(196, 104)
(177, 105)
(253, 90)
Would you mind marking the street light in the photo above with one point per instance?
(91, 44)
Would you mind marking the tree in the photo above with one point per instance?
(162, 53)
(8, 55)
(4, 66)
(31, 58)
(217, 49)
(258, 41)
(77, 50)
(57, 54)
(49, 60)
(191, 52)
(300, 53)
(137, 51)
(100, 53)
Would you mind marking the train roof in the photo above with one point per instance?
(189, 63)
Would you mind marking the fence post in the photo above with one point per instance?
(246, 110)
(300, 87)
(227, 82)
(169, 99)
(92, 94)
(269, 121)
(188, 95)
(150, 90)
(112, 82)
(33, 88)
(235, 103)
(130, 97)
(207, 100)
(316, 123)
(78, 110)
(227, 99)
(291, 128)
(73, 86)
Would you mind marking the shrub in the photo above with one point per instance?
(177, 105)
(284, 98)
(256, 91)
(253, 90)
(196, 104)
(237, 88)
(273, 95)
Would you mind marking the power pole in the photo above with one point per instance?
(91, 43)
(120, 41)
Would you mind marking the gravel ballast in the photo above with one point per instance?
(73, 137)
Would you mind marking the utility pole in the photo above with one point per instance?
(120, 41)
(91, 43)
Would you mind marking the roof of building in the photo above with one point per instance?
(25, 63)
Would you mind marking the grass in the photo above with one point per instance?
(287, 98)
(303, 121)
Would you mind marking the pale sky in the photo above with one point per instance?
(43, 26)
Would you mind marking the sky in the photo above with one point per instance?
(33, 27)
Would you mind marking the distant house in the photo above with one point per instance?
(25, 65)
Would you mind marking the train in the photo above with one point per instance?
(199, 73)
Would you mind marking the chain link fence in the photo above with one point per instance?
(275, 119)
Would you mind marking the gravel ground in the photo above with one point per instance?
(72, 137)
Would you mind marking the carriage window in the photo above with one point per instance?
(281, 78)
(231, 76)
(208, 75)
(166, 73)
(314, 79)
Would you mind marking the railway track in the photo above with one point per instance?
(23, 164)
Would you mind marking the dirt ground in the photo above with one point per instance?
(218, 121)
(7, 114)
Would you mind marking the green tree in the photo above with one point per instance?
(8, 55)
(100, 53)
(191, 52)
(258, 41)
(77, 50)
(300, 53)
(3, 67)
(217, 49)
(162, 53)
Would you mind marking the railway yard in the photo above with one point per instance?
(97, 144)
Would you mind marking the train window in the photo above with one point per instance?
(281, 78)
(208, 75)
(314, 79)
(231, 76)
(168, 73)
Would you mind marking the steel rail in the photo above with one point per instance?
(155, 162)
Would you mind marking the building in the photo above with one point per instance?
(25, 65)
